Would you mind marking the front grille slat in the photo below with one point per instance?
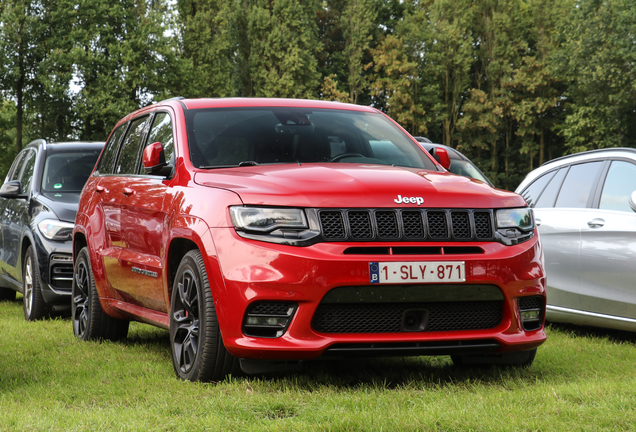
(386, 222)
(360, 225)
(62, 276)
(387, 317)
(406, 224)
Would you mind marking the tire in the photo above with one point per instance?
(198, 353)
(7, 294)
(519, 359)
(89, 320)
(35, 307)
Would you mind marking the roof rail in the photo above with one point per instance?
(172, 98)
(38, 141)
(629, 149)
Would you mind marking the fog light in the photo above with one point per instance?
(268, 319)
(531, 315)
(531, 312)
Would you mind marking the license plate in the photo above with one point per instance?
(417, 272)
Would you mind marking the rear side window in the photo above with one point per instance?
(619, 185)
(130, 148)
(578, 184)
(534, 191)
(107, 162)
(549, 194)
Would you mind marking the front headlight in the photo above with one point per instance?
(515, 226)
(268, 219)
(520, 218)
(54, 229)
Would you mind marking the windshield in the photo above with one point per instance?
(254, 136)
(66, 172)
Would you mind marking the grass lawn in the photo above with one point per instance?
(580, 380)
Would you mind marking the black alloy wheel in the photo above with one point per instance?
(198, 353)
(89, 320)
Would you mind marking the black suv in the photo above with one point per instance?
(38, 203)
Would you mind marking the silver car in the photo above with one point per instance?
(584, 208)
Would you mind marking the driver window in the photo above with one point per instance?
(27, 172)
(161, 132)
(619, 185)
(14, 172)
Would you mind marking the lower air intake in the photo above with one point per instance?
(388, 318)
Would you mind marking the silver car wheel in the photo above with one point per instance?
(28, 285)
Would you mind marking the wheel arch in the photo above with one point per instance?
(79, 241)
(176, 251)
(26, 242)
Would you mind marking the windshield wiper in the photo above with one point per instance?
(240, 164)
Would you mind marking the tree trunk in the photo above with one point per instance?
(20, 93)
(542, 147)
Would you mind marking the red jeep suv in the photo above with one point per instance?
(265, 232)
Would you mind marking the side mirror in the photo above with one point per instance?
(154, 160)
(632, 201)
(441, 155)
(12, 189)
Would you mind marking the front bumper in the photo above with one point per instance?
(55, 266)
(246, 272)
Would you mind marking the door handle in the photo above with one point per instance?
(596, 223)
(128, 191)
(100, 189)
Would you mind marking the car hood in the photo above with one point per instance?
(355, 185)
(65, 207)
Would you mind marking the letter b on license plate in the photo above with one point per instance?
(417, 272)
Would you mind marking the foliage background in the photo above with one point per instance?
(511, 83)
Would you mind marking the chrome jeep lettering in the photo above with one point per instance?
(409, 200)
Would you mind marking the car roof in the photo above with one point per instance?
(66, 145)
(614, 152)
(592, 153)
(268, 102)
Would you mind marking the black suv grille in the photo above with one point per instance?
(388, 317)
(406, 225)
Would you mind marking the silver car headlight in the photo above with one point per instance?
(54, 229)
(515, 225)
(268, 219)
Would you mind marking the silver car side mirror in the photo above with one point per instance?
(632, 201)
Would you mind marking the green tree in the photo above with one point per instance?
(597, 57)
(282, 41)
(20, 54)
(438, 33)
(395, 87)
(7, 136)
(208, 29)
(122, 60)
(357, 23)
(488, 125)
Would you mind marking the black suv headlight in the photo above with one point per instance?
(54, 229)
(274, 224)
(514, 225)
